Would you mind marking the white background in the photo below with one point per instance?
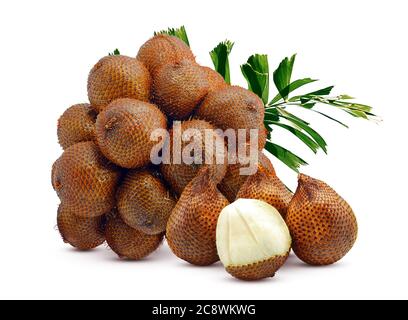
(47, 49)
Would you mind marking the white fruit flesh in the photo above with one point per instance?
(250, 231)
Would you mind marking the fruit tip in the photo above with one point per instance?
(302, 177)
(302, 181)
(261, 169)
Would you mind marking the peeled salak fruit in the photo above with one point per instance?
(115, 77)
(178, 88)
(192, 224)
(77, 124)
(322, 224)
(161, 50)
(123, 131)
(234, 108)
(144, 202)
(266, 186)
(85, 181)
(234, 179)
(253, 241)
(129, 243)
(81, 233)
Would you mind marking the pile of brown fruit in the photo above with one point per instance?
(110, 191)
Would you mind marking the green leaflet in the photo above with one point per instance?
(306, 97)
(287, 157)
(292, 87)
(256, 72)
(219, 56)
(329, 117)
(355, 109)
(282, 76)
(115, 52)
(180, 33)
(299, 134)
(305, 126)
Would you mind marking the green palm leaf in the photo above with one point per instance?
(180, 33)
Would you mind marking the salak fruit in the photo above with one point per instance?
(161, 50)
(123, 131)
(85, 181)
(192, 224)
(253, 240)
(266, 186)
(322, 224)
(129, 243)
(144, 202)
(234, 179)
(77, 124)
(178, 175)
(178, 88)
(81, 233)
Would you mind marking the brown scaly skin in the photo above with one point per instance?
(179, 175)
(85, 181)
(144, 202)
(77, 124)
(54, 183)
(235, 108)
(115, 77)
(129, 243)
(267, 187)
(258, 270)
(161, 50)
(81, 233)
(178, 88)
(191, 229)
(233, 180)
(215, 80)
(123, 131)
(322, 224)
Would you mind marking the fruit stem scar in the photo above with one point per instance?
(251, 106)
(58, 185)
(110, 123)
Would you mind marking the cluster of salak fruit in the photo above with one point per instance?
(110, 191)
